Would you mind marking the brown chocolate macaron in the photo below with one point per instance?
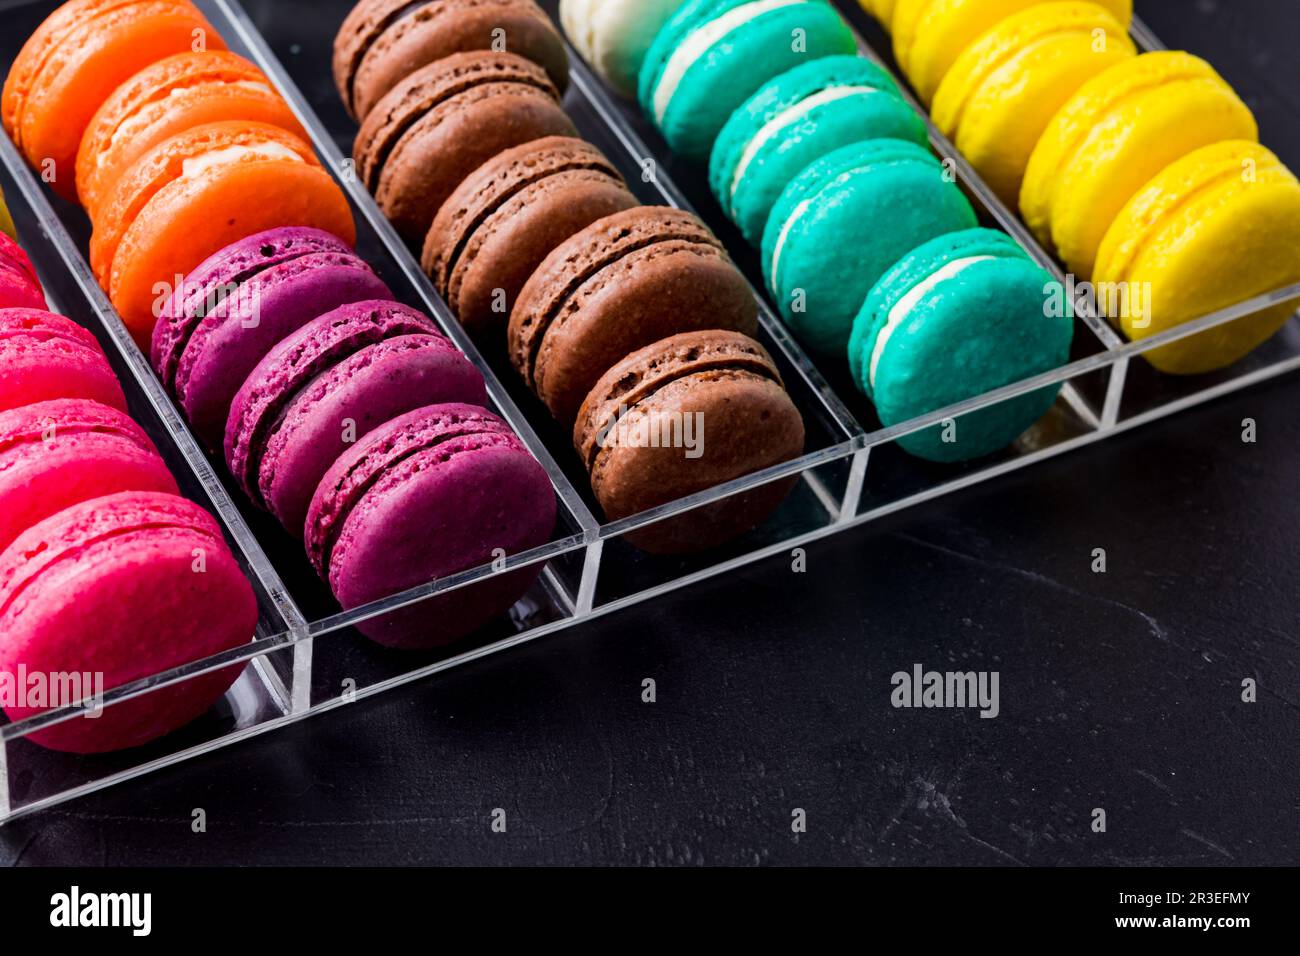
(383, 41)
(444, 121)
(502, 221)
(620, 284)
(683, 415)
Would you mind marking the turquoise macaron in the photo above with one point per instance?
(712, 55)
(797, 118)
(958, 317)
(843, 222)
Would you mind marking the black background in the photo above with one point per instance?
(1119, 691)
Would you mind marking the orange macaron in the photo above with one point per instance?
(196, 193)
(76, 59)
(175, 94)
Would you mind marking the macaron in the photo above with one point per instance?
(624, 282)
(799, 117)
(237, 305)
(54, 454)
(723, 391)
(1217, 227)
(1003, 90)
(614, 36)
(383, 41)
(712, 55)
(957, 317)
(45, 356)
(843, 222)
(501, 222)
(171, 96)
(127, 586)
(6, 220)
(929, 35)
(431, 493)
(196, 193)
(327, 386)
(74, 61)
(19, 286)
(882, 10)
(1113, 136)
(445, 120)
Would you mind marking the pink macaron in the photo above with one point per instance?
(45, 356)
(326, 387)
(58, 453)
(19, 287)
(433, 492)
(123, 587)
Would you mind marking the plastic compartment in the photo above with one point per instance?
(308, 657)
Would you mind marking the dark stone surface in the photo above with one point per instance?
(1118, 690)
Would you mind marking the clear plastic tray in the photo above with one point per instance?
(307, 657)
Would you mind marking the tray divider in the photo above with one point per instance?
(343, 171)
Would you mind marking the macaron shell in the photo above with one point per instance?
(1219, 226)
(74, 62)
(1003, 91)
(443, 122)
(846, 220)
(232, 340)
(734, 67)
(169, 97)
(6, 220)
(170, 223)
(1116, 133)
(210, 283)
(747, 423)
(615, 35)
(453, 474)
(930, 35)
(58, 453)
(19, 286)
(981, 330)
(910, 271)
(45, 356)
(110, 586)
(384, 41)
(503, 221)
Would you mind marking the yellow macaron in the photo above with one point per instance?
(929, 35)
(1113, 136)
(1005, 88)
(1217, 227)
(6, 220)
(882, 10)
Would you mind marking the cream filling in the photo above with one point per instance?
(790, 117)
(197, 165)
(132, 125)
(799, 211)
(698, 43)
(908, 302)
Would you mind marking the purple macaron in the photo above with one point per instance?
(327, 386)
(433, 492)
(241, 302)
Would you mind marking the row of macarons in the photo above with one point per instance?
(1141, 172)
(532, 237)
(870, 249)
(282, 347)
(104, 567)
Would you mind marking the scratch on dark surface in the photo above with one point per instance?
(1152, 624)
(1200, 839)
(22, 850)
(931, 797)
(1152, 778)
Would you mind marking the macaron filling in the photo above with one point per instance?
(140, 120)
(904, 306)
(194, 166)
(699, 42)
(778, 125)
